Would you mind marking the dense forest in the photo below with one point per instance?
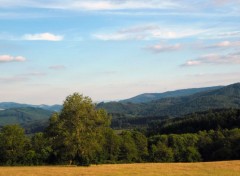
(224, 97)
(80, 134)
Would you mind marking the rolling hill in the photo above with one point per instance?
(147, 97)
(225, 97)
(195, 122)
(32, 119)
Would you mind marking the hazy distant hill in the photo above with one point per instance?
(225, 97)
(147, 97)
(8, 105)
(27, 117)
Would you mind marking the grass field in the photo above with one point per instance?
(227, 168)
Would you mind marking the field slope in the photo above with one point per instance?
(226, 168)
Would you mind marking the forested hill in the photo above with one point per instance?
(35, 118)
(195, 122)
(147, 97)
(32, 119)
(225, 97)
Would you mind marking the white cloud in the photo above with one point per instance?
(124, 4)
(92, 4)
(218, 7)
(8, 58)
(230, 58)
(149, 32)
(57, 67)
(119, 4)
(163, 48)
(192, 63)
(224, 44)
(43, 36)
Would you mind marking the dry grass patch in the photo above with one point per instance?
(226, 168)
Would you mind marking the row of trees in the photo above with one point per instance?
(81, 135)
(18, 149)
(192, 123)
(191, 147)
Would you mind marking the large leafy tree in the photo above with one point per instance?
(77, 133)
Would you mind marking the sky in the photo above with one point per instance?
(115, 49)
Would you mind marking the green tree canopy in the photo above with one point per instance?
(77, 132)
(13, 145)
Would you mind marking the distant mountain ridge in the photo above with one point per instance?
(225, 97)
(35, 118)
(147, 97)
(9, 105)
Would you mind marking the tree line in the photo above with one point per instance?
(194, 122)
(81, 135)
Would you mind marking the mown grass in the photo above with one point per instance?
(226, 168)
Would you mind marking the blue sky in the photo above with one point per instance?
(115, 49)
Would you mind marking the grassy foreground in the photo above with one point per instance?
(227, 168)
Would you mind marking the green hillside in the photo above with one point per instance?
(226, 97)
(30, 118)
(128, 115)
(195, 122)
(147, 97)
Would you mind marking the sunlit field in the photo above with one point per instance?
(228, 168)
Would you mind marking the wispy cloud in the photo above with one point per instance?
(57, 67)
(24, 77)
(9, 58)
(33, 74)
(92, 4)
(118, 4)
(148, 32)
(10, 14)
(225, 2)
(31, 37)
(13, 79)
(119, 7)
(230, 58)
(192, 63)
(158, 48)
(224, 44)
(43, 36)
(221, 32)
